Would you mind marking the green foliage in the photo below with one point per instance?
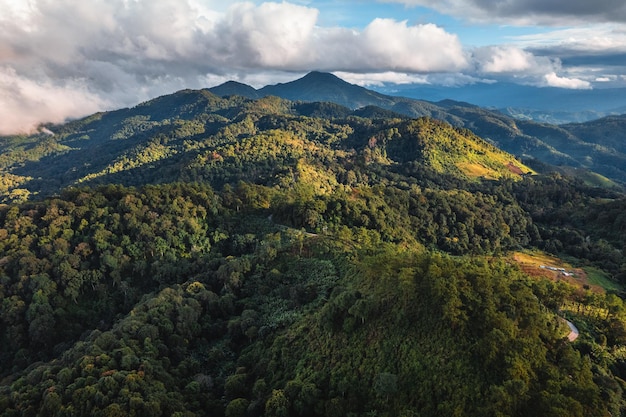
(252, 258)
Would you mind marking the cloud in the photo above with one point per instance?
(117, 53)
(25, 103)
(589, 38)
(420, 48)
(528, 12)
(379, 79)
(506, 59)
(553, 80)
(382, 78)
(66, 58)
(272, 35)
(514, 64)
(593, 53)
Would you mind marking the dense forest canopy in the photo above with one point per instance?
(235, 257)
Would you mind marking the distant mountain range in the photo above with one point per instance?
(541, 104)
(582, 146)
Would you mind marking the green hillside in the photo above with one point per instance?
(195, 135)
(198, 255)
(606, 132)
(595, 145)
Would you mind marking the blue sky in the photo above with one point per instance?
(62, 59)
(358, 14)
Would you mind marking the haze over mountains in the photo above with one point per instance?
(542, 104)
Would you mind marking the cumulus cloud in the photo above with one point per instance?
(271, 35)
(420, 48)
(528, 12)
(553, 80)
(68, 58)
(513, 63)
(119, 52)
(506, 59)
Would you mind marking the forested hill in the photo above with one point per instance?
(198, 255)
(547, 143)
(197, 136)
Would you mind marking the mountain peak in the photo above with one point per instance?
(234, 88)
(324, 86)
(319, 76)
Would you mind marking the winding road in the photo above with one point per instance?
(573, 334)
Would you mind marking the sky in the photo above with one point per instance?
(63, 59)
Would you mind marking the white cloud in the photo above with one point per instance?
(381, 78)
(25, 103)
(589, 38)
(553, 80)
(272, 35)
(513, 63)
(420, 48)
(126, 51)
(505, 59)
(457, 79)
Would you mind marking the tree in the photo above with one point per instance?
(41, 318)
(386, 384)
(237, 408)
(277, 405)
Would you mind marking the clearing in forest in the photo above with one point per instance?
(540, 264)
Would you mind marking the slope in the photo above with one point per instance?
(320, 86)
(270, 257)
(523, 138)
(177, 299)
(195, 134)
(606, 132)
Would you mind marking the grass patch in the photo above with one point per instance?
(596, 276)
(475, 170)
(589, 177)
(537, 258)
(540, 264)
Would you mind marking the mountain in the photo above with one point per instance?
(233, 88)
(320, 86)
(522, 137)
(540, 104)
(82, 150)
(604, 132)
(202, 255)
(162, 140)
